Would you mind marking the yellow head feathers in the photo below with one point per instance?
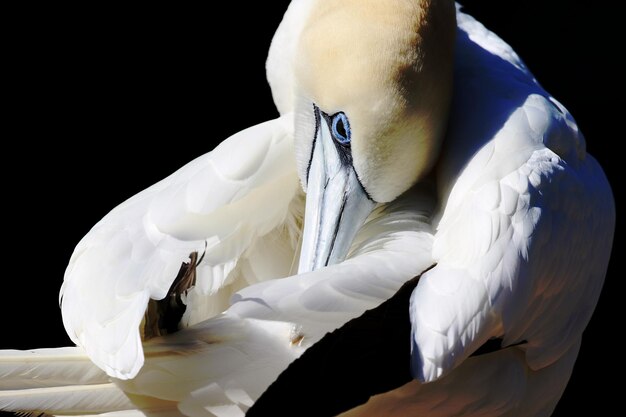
(387, 64)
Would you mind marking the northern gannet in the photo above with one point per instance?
(241, 308)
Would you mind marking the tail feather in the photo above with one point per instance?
(66, 400)
(60, 381)
(171, 412)
(26, 369)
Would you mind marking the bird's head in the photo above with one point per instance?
(373, 83)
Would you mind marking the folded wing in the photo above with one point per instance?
(210, 213)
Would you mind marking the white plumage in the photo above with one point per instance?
(521, 192)
(134, 253)
(519, 226)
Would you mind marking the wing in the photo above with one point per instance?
(225, 363)
(392, 247)
(280, 60)
(214, 209)
(524, 241)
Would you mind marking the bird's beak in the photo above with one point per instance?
(336, 203)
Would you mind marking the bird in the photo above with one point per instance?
(494, 203)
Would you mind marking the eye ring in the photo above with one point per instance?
(341, 128)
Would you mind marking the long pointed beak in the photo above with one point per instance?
(336, 203)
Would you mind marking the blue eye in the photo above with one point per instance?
(341, 128)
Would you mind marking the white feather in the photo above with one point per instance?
(222, 365)
(48, 368)
(66, 399)
(513, 179)
(511, 262)
(226, 199)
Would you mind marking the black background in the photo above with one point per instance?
(101, 103)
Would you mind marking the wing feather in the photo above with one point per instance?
(217, 205)
(521, 193)
(225, 363)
